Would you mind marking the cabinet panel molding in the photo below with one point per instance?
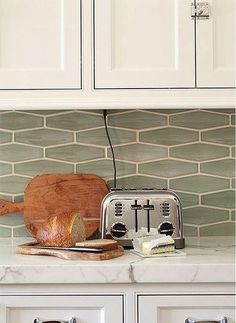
(175, 309)
(216, 52)
(84, 308)
(143, 44)
(40, 44)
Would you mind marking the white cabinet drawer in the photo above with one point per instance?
(176, 309)
(84, 308)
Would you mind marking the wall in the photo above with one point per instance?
(189, 151)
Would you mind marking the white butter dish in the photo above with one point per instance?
(176, 253)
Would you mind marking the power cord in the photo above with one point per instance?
(110, 144)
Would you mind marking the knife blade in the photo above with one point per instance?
(76, 248)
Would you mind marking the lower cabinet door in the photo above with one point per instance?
(186, 309)
(57, 309)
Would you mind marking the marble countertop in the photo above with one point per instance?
(207, 260)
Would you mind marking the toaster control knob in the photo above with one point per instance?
(166, 228)
(118, 229)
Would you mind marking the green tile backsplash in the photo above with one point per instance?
(190, 151)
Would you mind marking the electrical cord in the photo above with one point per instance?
(110, 144)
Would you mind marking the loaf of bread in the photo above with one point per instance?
(61, 231)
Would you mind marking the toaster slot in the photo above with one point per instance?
(136, 207)
(148, 207)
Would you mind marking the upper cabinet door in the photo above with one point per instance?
(40, 44)
(216, 45)
(143, 44)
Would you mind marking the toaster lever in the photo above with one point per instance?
(136, 207)
(148, 207)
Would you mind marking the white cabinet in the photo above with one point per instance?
(85, 309)
(216, 45)
(176, 309)
(143, 44)
(95, 54)
(40, 44)
(129, 307)
(155, 44)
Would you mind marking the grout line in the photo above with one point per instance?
(74, 137)
(213, 223)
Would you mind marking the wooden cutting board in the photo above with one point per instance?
(53, 195)
(28, 249)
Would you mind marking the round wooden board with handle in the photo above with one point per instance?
(54, 195)
(28, 249)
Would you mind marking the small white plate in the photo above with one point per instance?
(176, 253)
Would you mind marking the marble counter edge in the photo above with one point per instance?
(208, 267)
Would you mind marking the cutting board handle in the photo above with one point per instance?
(9, 207)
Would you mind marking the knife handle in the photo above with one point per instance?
(72, 320)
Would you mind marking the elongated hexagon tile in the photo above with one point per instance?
(224, 167)
(233, 119)
(44, 137)
(199, 120)
(188, 199)
(199, 183)
(18, 198)
(168, 168)
(115, 111)
(104, 168)
(224, 110)
(20, 232)
(139, 152)
(190, 231)
(75, 121)
(225, 199)
(233, 215)
(219, 229)
(168, 136)
(233, 182)
(16, 121)
(47, 112)
(43, 166)
(12, 219)
(98, 136)
(138, 181)
(5, 169)
(5, 137)
(13, 184)
(15, 152)
(75, 153)
(137, 120)
(233, 152)
(199, 152)
(168, 111)
(224, 136)
(5, 197)
(5, 232)
(204, 215)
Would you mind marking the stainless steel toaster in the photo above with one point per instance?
(130, 210)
